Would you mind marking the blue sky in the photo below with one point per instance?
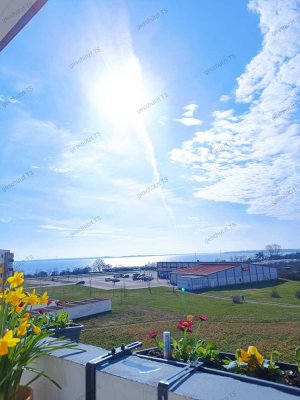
(148, 127)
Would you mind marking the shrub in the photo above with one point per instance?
(275, 294)
(238, 299)
(297, 294)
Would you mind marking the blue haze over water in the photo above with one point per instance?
(31, 265)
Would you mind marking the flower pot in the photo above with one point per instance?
(245, 378)
(24, 393)
(71, 332)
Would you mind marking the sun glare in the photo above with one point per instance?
(120, 91)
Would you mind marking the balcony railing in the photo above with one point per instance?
(132, 378)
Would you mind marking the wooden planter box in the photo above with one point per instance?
(245, 378)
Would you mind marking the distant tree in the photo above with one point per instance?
(99, 265)
(273, 249)
(150, 265)
(259, 256)
(41, 274)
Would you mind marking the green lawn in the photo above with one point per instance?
(261, 291)
(230, 325)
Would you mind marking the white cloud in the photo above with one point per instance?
(5, 220)
(259, 156)
(60, 170)
(4, 99)
(187, 117)
(190, 109)
(224, 98)
(189, 121)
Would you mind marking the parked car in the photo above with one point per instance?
(148, 278)
(125, 276)
(115, 280)
(135, 277)
(108, 279)
(80, 283)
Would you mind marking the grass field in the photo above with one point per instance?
(261, 291)
(230, 325)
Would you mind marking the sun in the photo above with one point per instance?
(120, 91)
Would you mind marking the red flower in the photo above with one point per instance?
(152, 335)
(49, 302)
(41, 311)
(203, 317)
(21, 304)
(185, 325)
(58, 303)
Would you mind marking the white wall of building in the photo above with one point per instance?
(232, 276)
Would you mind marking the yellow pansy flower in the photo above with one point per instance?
(252, 356)
(243, 356)
(252, 351)
(6, 342)
(190, 318)
(16, 280)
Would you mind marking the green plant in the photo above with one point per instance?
(253, 363)
(207, 352)
(54, 321)
(188, 347)
(297, 353)
(22, 337)
(62, 320)
(270, 364)
(159, 343)
(275, 294)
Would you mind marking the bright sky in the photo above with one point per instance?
(90, 167)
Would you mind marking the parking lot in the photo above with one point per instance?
(99, 282)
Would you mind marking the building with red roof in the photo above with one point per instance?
(210, 275)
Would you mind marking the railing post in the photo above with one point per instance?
(90, 368)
